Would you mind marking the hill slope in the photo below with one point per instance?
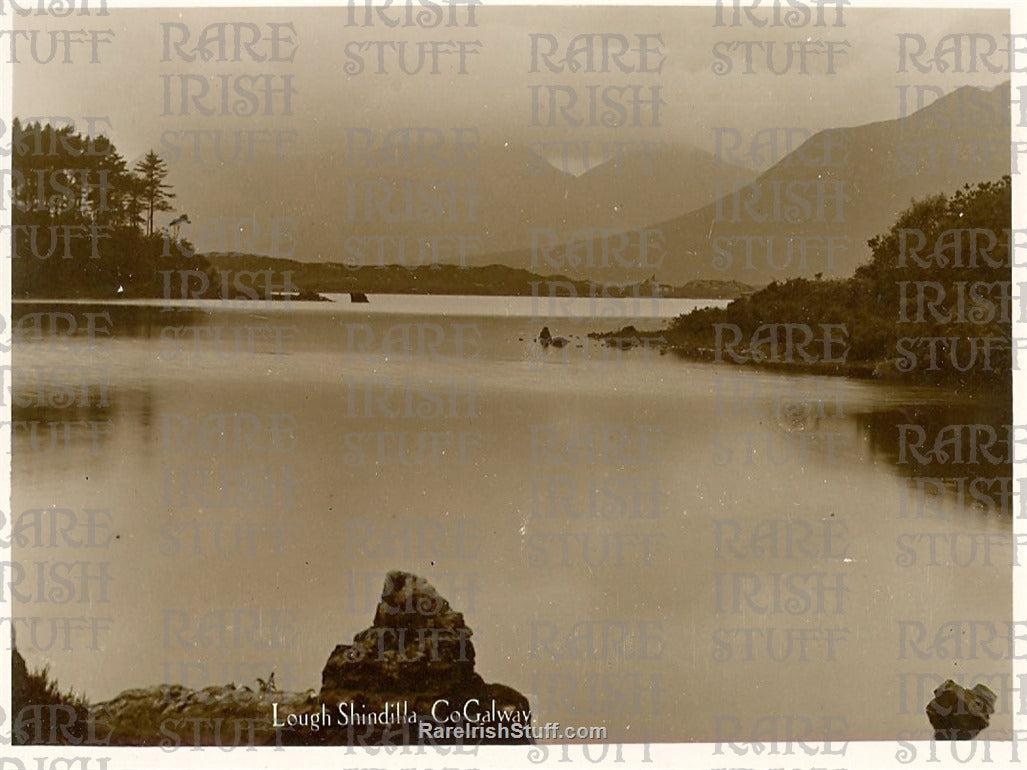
(814, 210)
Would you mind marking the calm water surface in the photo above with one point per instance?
(671, 549)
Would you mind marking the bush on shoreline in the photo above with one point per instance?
(942, 272)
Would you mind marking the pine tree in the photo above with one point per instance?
(156, 196)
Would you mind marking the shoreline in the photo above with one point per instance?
(321, 295)
(398, 682)
(883, 371)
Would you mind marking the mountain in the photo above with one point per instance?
(628, 191)
(814, 210)
(400, 206)
(621, 221)
(840, 188)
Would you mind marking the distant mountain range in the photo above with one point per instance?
(812, 212)
(866, 176)
(385, 212)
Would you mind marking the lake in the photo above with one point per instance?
(672, 549)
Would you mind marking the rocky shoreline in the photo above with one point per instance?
(408, 679)
(665, 342)
(662, 342)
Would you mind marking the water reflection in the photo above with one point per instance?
(57, 418)
(962, 450)
(50, 323)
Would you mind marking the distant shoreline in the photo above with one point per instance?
(453, 279)
(340, 298)
(320, 295)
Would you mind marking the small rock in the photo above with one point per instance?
(545, 339)
(959, 714)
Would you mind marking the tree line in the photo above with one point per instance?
(62, 176)
(83, 218)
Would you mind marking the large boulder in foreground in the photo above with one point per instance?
(959, 714)
(415, 663)
(417, 643)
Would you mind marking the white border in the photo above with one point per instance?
(866, 754)
(6, 115)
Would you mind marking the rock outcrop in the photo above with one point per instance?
(417, 643)
(545, 339)
(381, 689)
(417, 653)
(959, 714)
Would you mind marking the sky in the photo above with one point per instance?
(494, 96)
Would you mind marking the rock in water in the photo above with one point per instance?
(417, 643)
(958, 714)
(417, 653)
(545, 339)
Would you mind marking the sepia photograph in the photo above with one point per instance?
(433, 382)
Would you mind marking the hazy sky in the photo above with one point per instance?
(495, 97)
